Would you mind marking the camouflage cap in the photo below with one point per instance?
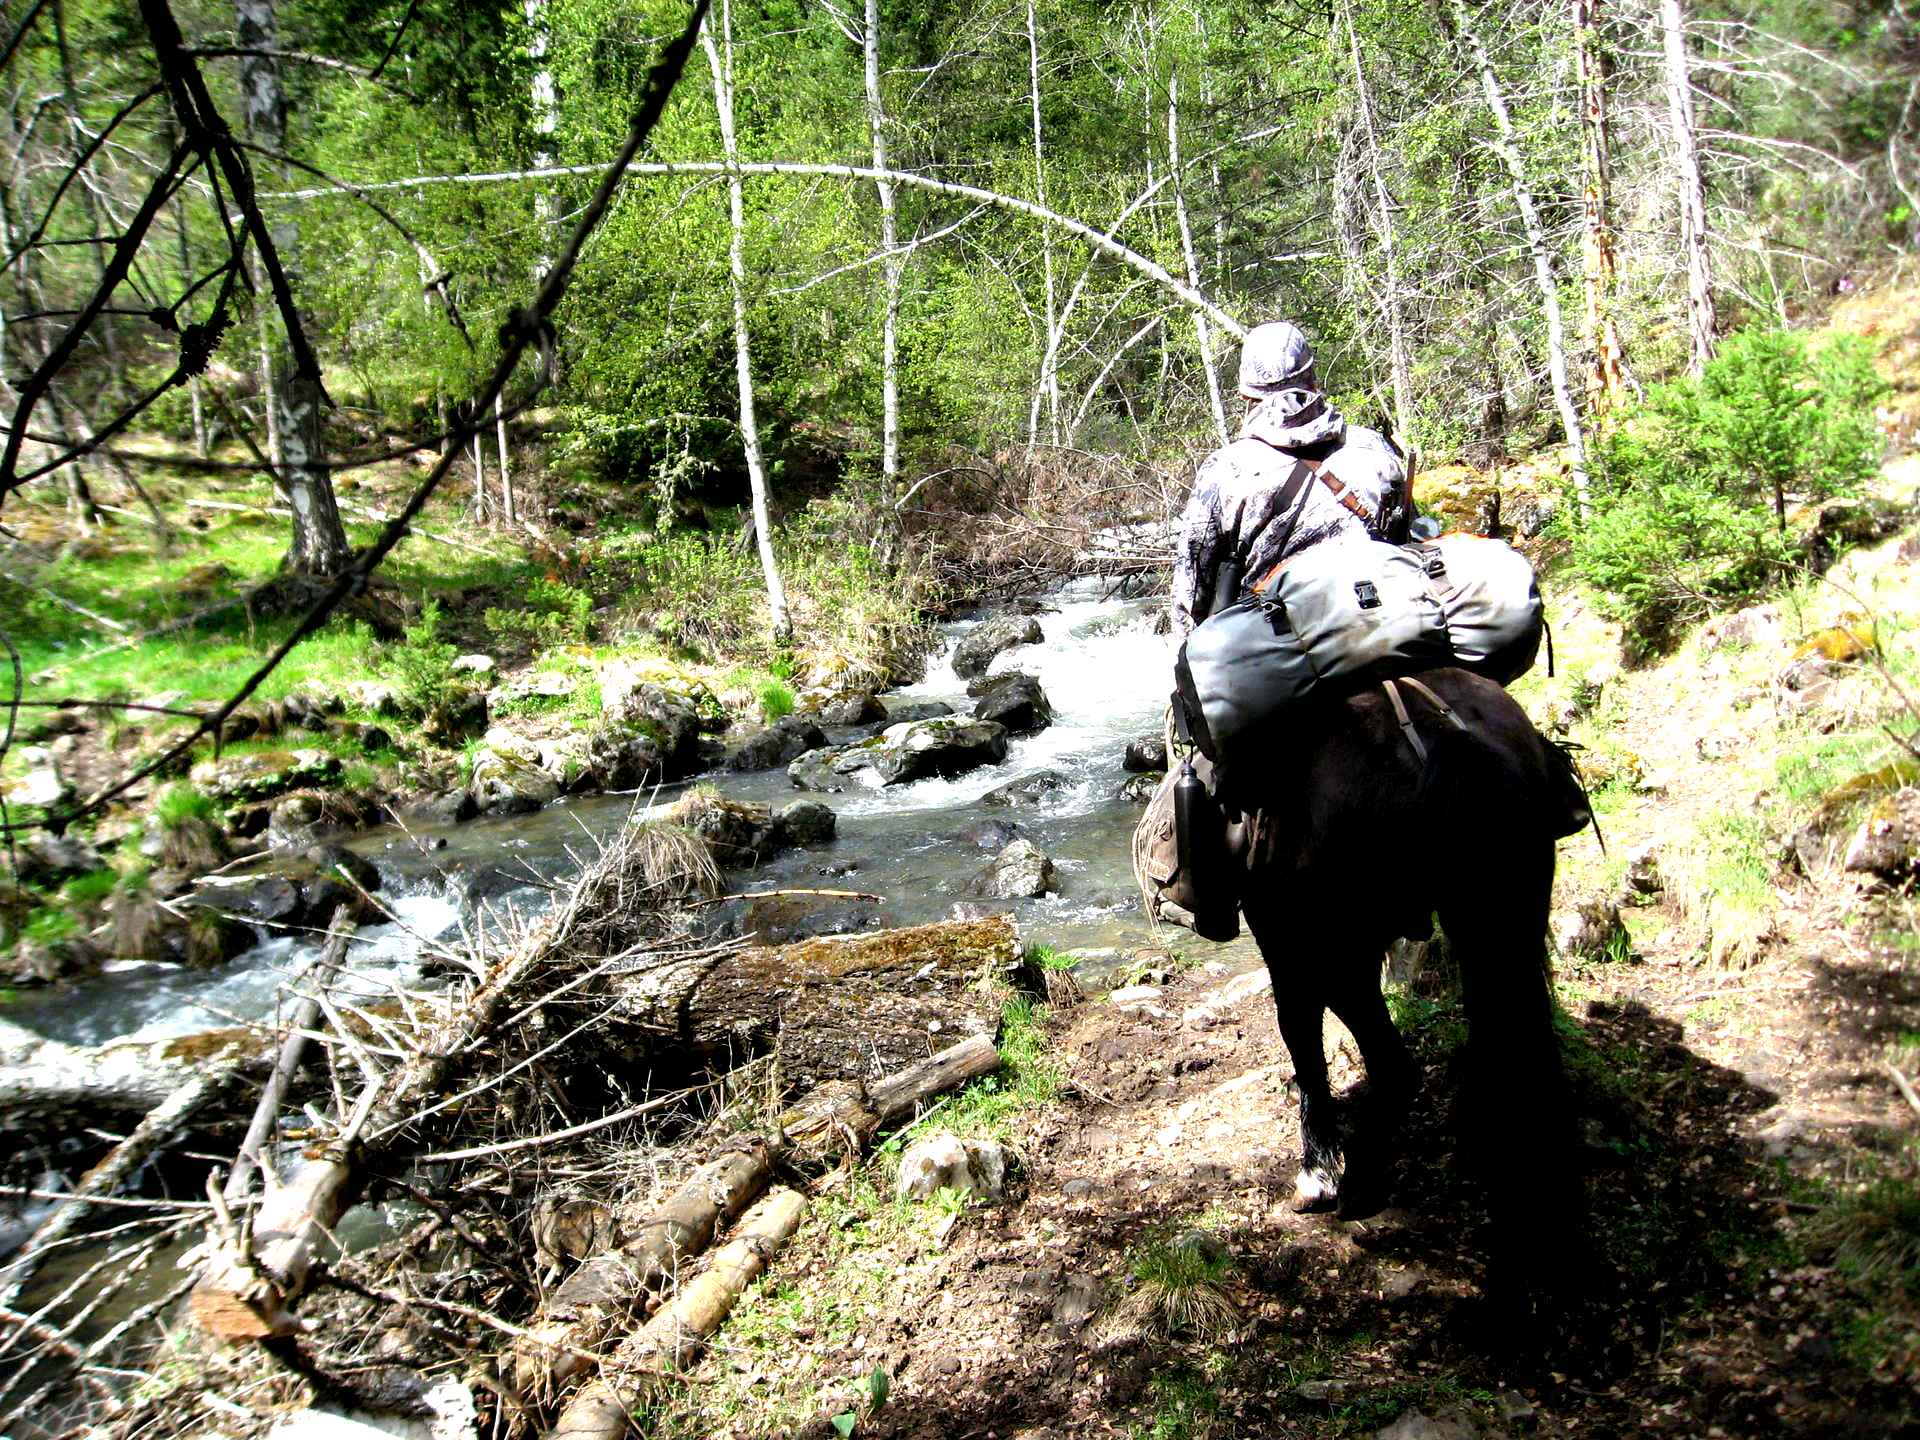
(1275, 357)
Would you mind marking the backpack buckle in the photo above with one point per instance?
(1368, 594)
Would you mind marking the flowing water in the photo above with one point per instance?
(1102, 666)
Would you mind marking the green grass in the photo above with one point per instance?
(90, 889)
(776, 700)
(1028, 1077)
(1185, 1407)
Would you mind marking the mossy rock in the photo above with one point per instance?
(263, 774)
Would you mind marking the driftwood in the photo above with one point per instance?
(319, 975)
(837, 1009)
(603, 1408)
(837, 1119)
(255, 1272)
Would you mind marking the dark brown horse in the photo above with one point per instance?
(1370, 840)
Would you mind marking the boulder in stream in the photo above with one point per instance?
(1028, 792)
(784, 919)
(1145, 755)
(950, 745)
(1139, 788)
(508, 778)
(806, 823)
(781, 743)
(1022, 871)
(976, 649)
(994, 835)
(900, 712)
(861, 708)
(1014, 700)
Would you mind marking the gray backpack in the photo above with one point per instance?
(1357, 610)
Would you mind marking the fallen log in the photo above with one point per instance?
(839, 1119)
(836, 1009)
(603, 1409)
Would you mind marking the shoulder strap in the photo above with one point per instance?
(1294, 496)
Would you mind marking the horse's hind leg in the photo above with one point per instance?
(1297, 965)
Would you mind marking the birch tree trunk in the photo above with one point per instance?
(720, 60)
(506, 476)
(546, 120)
(1398, 365)
(1507, 147)
(1202, 331)
(1693, 195)
(890, 325)
(1606, 371)
(1050, 358)
(319, 539)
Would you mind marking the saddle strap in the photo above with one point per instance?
(1400, 714)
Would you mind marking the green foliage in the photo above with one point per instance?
(91, 888)
(182, 804)
(422, 663)
(550, 613)
(1690, 495)
(49, 925)
(1184, 1408)
(776, 700)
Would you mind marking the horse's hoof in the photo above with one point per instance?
(1315, 1193)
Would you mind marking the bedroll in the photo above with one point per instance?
(1358, 611)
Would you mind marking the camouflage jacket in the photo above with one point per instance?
(1234, 513)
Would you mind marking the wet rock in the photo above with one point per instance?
(740, 836)
(976, 649)
(1145, 755)
(1027, 792)
(447, 807)
(1139, 788)
(947, 746)
(978, 909)
(1591, 928)
(292, 820)
(993, 835)
(1022, 871)
(39, 782)
(1887, 844)
(946, 1162)
(46, 962)
(783, 919)
(858, 709)
(208, 938)
(263, 774)
(900, 712)
(44, 859)
(508, 778)
(806, 823)
(781, 743)
(272, 900)
(328, 858)
(1016, 701)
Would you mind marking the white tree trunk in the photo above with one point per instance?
(1202, 331)
(1050, 357)
(546, 120)
(506, 476)
(742, 347)
(1693, 195)
(1508, 148)
(479, 478)
(890, 325)
(319, 539)
(1398, 364)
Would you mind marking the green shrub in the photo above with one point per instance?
(776, 700)
(422, 663)
(551, 613)
(1690, 494)
(181, 804)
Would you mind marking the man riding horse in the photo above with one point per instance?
(1235, 520)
